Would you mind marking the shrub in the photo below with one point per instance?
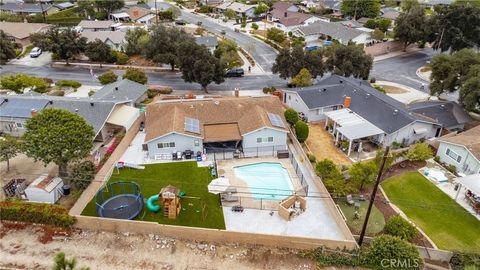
(311, 157)
(41, 213)
(121, 58)
(268, 90)
(338, 186)
(392, 249)
(463, 260)
(276, 35)
(136, 75)
(325, 257)
(452, 168)
(48, 81)
(302, 79)
(436, 158)
(291, 116)
(18, 83)
(398, 226)
(82, 174)
(166, 91)
(380, 88)
(373, 80)
(107, 78)
(301, 130)
(90, 93)
(254, 26)
(419, 152)
(58, 93)
(68, 83)
(326, 169)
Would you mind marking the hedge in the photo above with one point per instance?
(68, 83)
(41, 213)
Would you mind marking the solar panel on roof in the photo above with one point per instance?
(276, 120)
(192, 125)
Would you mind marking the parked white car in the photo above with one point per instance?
(35, 52)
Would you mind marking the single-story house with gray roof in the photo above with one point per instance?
(88, 25)
(355, 106)
(114, 39)
(448, 113)
(64, 5)
(123, 90)
(210, 42)
(332, 31)
(28, 8)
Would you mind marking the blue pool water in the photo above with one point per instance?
(266, 180)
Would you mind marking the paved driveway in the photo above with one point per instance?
(44, 59)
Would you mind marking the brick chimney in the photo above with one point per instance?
(33, 112)
(347, 101)
(236, 92)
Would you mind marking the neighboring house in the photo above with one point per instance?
(141, 15)
(389, 13)
(462, 151)
(28, 8)
(209, 2)
(252, 125)
(210, 42)
(114, 39)
(240, 9)
(64, 5)
(286, 17)
(93, 26)
(321, 30)
(359, 111)
(120, 17)
(123, 90)
(20, 32)
(449, 114)
(334, 5)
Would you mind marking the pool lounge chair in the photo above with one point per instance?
(350, 200)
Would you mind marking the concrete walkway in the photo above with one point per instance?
(410, 94)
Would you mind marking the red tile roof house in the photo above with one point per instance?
(286, 17)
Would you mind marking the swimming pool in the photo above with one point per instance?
(266, 180)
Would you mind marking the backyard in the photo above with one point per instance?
(375, 223)
(199, 207)
(449, 225)
(321, 145)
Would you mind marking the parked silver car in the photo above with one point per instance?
(35, 52)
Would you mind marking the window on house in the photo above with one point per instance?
(453, 155)
(166, 145)
(19, 125)
(264, 139)
(289, 97)
(196, 142)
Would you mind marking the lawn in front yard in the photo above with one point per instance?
(186, 176)
(375, 223)
(448, 224)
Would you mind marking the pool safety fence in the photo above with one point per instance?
(251, 152)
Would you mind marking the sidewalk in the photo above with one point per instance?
(395, 54)
(256, 69)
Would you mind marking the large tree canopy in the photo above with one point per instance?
(64, 43)
(289, 62)
(7, 48)
(58, 136)
(349, 60)
(99, 51)
(136, 40)
(361, 8)
(456, 26)
(411, 26)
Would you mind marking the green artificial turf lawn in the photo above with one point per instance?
(448, 224)
(375, 223)
(187, 177)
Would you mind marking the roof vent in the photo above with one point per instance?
(360, 83)
(91, 104)
(6, 100)
(50, 102)
(324, 89)
(116, 88)
(341, 81)
(442, 106)
(76, 110)
(368, 95)
(395, 112)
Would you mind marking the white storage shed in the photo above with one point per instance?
(45, 189)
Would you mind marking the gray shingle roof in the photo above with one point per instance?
(64, 5)
(379, 109)
(447, 113)
(25, 7)
(95, 24)
(18, 108)
(335, 30)
(124, 90)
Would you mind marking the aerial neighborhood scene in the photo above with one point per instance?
(240, 134)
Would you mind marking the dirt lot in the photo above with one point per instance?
(321, 144)
(21, 249)
(393, 89)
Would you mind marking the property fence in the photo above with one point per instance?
(251, 152)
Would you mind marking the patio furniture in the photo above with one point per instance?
(350, 200)
(357, 205)
(362, 198)
(237, 208)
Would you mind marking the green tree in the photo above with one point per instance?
(363, 173)
(282, 64)
(108, 78)
(388, 162)
(399, 227)
(302, 79)
(411, 26)
(407, 5)
(377, 34)
(7, 48)
(314, 63)
(65, 43)
(261, 8)
(290, 62)
(136, 75)
(254, 26)
(136, 40)
(18, 82)
(109, 6)
(276, 35)
(301, 130)
(58, 136)
(387, 247)
(9, 148)
(62, 263)
(166, 15)
(469, 94)
(163, 45)
(99, 51)
(82, 174)
(230, 14)
(360, 8)
(291, 116)
(349, 60)
(453, 26)
(199, 65)
(227, 53)
(382, 24)
(327, 169)
(419, 152)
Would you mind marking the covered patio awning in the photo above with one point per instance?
(123, 116)
(352, 125)
(222, 133)
(471, 182)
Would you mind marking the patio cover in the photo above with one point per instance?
(471, 182)
(352, 125)
(124, 116)
(120, 15)
(222, 133)
(218, 185)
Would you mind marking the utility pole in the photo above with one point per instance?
(43, 13)
(374, 193)
(156, 13)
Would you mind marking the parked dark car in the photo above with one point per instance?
(180, 22)
(235, 72)
(291, 85)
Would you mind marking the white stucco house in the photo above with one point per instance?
(358, 111)
(248, 125)
(322, 30)
(462, 151)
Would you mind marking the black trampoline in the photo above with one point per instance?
(122, 200)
